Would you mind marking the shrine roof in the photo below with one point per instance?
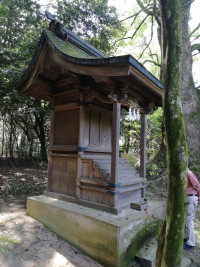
(60, 51)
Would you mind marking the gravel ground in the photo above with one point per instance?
(24, 242)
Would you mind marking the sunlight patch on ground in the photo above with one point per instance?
(59, 261)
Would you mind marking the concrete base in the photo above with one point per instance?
(112, 240)
(147, 255)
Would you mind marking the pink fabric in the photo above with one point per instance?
(193, 186)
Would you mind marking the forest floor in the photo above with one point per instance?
(24, 242)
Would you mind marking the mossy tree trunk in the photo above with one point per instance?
(170, 247)
(190, 95)
(190, 98)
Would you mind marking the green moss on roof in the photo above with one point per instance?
(66, 47)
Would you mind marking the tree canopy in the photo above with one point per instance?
(25, 121)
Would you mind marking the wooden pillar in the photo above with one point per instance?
(143, 145)
(80, 144)
(51, 142)
(115, 142)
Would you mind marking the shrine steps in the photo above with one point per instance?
(128, 191)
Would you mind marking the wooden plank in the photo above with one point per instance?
(83, 202)
(94, 189)
(93, 181)
(115, 142)
(98, 149)
(146, 81)
(67, 99)
(63, 155)
(52, 129)
(51, 142)
(49, 182)
(106, 156)
(109, 70)
(67, 81)
(100, 109)
(87, 169)
(66, 107)
(140, 205)
(69, 148)
(66, 127)
(85, 117)
(81, 127)
(143, 145)
(105, 130)
(66, 92)
(64, 174)
(94, 128)
(79, 174)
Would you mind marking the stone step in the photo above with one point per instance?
(130, 180)
(146, 257)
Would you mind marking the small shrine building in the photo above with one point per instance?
(87, 91)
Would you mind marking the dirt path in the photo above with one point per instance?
(24, 242)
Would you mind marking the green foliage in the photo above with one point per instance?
(20, 27)
(130, 141)
(6, 242)
(23, 120)
(154, 133)
(18, 187)
(93, 20)
(140, 37)
(153, 170)
(129, 134)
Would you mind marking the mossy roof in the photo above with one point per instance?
(80, 57)
(67, 48)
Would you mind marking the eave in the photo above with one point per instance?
(51, 53)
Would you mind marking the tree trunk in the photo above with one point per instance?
(40, 132)
(189, 93)
(171, 254)
(30, 152)
(3, 140)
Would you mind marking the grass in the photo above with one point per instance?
(6, 242)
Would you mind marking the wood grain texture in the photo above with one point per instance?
(66, 130)
(115, 142)
(64, 174)
(143, 145)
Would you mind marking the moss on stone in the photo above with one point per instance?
(148, 230)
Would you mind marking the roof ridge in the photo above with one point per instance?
(65, 34)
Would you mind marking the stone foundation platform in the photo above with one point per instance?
(112, 240)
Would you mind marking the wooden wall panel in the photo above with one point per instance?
(86, 125)
(66, 127)
(94, 128)
(64, 174)
(87, 168)
(67, 98)
(95, 196)
(100, 121)
(105, 130)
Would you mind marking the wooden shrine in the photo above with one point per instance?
(87, 91)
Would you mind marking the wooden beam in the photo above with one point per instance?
(65, 92)
(49, 83)
(51, 142)
(66, 107)
(50, 166)
(143, 145)
(115, 142)
(66, 82)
